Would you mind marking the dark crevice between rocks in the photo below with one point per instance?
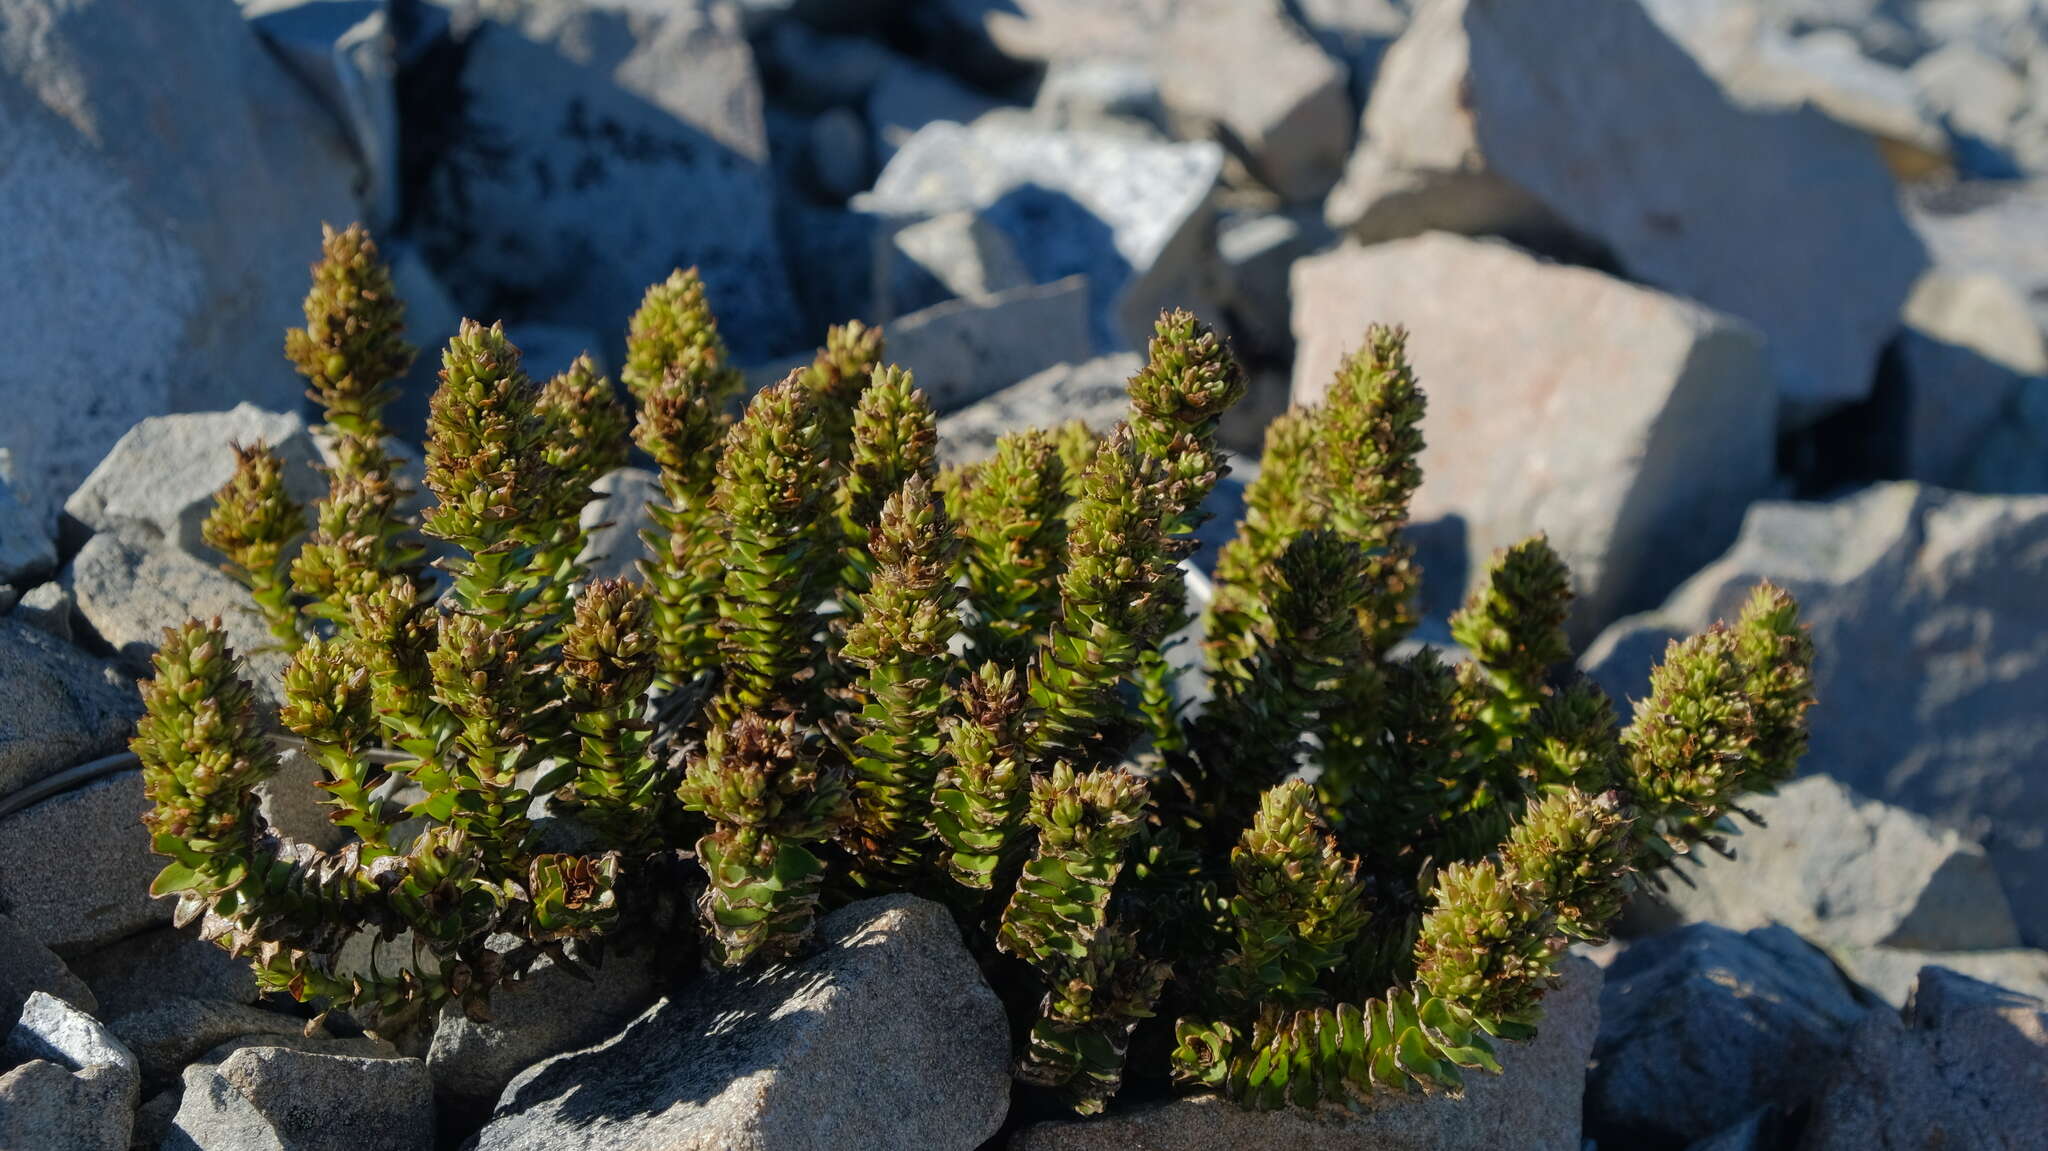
(1856, 445)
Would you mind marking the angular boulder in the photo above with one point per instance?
(27, 553)
(1533, 1104)
(885, 1037)
(76, 1088)
(1966, 1065)
(588, 149)
(1969, 227)
(28, 967)
(130, 285)
(62, 707)
(1970, 345)
(1928, 616)
(177, 1029)
(1891, 972)
(129, 592)
(962, 350)
(304, 1101)
(1132, 216)
(158, 480)
(1092, 391)
(1661, 412)
(130, 975)
(1845, 870)
(1701, 1026)
(1484, 119)
(75, 868)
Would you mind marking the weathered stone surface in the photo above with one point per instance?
(79, 1087)
(1966, 1067)
(1891, 972)
(132, 975)
(130, 285)
(62, 707)
(908, 96)
(1534, 1104)
(157, 482)
(1356, 32)
(262, 1097)
(1969, 227)
(1093, 391)
(600, 145)
(1255, 252)
(1131, 216)
(1667, 409)
(892, 1003)
(48, 608)
(1845, 870)
(345, 53)
(1701, 1026)
(27, 553)
(1243, 71)
(1484, 119)
(962, 350)
(546, 1013)
(1928, 617)
(615, 520)
(75, 869)
(1101, 94)
(26, 967)
(292, 802)
(1970, 345)
(177, 1029)
(954, 255)
(130, 592)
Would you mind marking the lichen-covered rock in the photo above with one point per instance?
(76, 1088)
(1485, 119)
(1533, 1104)
(75, 868)
(1662, 412)
(131, 283)
(1928, 616)
(1701, 1026)
(1843, 869)
(886, 1037)
(279, 1097)
(1966, 1066)
(62, 706)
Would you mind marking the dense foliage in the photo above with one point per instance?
(845, 670)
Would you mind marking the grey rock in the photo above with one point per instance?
(839, 153)
(962, 350)
(1844, 870)
(1357, 32)
(1970, 345)
(48, 608)
(908, 96)
(1255, 254)
(1701, 1026)
(815, 71)
(1968, 227)
(1928, 619)
(177, 1029)
(601, 145)
(1101, 94)
(78, 1087)
(955, 255)
(1668, 408)
(892, 1003)
(292, 802)
(1891, 972)
(158, 481)
(1757, 1132)
(116, 179)
(1040, 31)
(63, 707)
(1093, 391)
(431, 317)
(27, 967)
(75, 869)
(546, 1013)
(277, 1097)
(1483, 119)
(130, 975)
(1978, 96)
(345, 52)
(1243, 71)
(129, 592)
(27, 553)
(615, 520)
(1533, 1104)
(1966, 1066)
(1132, 216)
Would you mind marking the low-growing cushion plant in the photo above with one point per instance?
(847, 670)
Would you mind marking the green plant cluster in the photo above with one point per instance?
(1351, 868)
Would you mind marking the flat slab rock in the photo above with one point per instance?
(886, 1037)
(1532, 1106)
